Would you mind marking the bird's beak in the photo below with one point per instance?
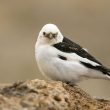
(50, 35)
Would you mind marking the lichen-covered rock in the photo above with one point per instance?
(44, 95)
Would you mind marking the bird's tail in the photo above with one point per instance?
(108, 73)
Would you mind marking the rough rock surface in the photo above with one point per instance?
(47, 95)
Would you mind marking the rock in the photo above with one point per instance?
(47, 95)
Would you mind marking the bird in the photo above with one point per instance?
(61, 59)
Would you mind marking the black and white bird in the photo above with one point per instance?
(59, 58)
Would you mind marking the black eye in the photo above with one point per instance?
(44, 33)
(55, 35)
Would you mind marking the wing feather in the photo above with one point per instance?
(70, 47)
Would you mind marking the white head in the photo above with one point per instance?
(49, 34)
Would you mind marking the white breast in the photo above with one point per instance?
(55, 68)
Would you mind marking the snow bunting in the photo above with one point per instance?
(59, 58)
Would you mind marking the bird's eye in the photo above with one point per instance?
(44, 33)
(55, 35)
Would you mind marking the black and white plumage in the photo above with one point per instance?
(61, 59)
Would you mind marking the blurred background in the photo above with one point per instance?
(86, 22)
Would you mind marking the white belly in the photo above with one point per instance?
(69, 70)
(57, 69)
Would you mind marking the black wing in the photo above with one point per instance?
(70, 47)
